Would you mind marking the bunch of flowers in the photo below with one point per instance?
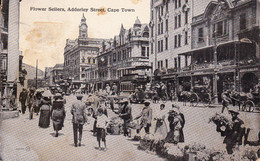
(220, 119)
(250, 154)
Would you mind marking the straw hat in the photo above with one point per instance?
(233, 110)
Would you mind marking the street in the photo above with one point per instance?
(22, 139)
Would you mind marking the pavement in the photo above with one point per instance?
(22, 139)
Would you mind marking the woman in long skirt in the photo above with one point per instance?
(58, 113)
(45, 113)
(161, 128)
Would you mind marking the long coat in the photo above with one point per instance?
(78, 112)
(58, 114)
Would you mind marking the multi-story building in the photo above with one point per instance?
(11, 57)
(225, 49)
(170, 35)
(57, 74)
(79, 55)
(125, 60)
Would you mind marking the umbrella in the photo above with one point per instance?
(47, 94)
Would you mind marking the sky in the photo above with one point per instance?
(43, 34)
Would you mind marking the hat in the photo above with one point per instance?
(125, 100)
(233, 110)
(58, 95)
(79, 96)
(175, 106)
(174, 110)
(147, 103)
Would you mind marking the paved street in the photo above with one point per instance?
(22, 139)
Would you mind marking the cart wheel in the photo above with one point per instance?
(249, 106)
(207, 100)
(194, 99)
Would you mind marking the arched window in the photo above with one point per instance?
(145, 34)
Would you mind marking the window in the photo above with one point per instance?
(158, 64)
(175, 62)
(179, 17)
(94, 61)
(161, 10)
(152, 31)
(167, 7)
(161, 45)
(179, 62)
(179, 40)
(176, 21)
(179, 3)
(161, 64)
(220, 28)
(166, 25)
(175, 41)
(200, 35)
(166, 43)
(161, 27)
(243, 21)
(186, 1)
(186, 38)
(186, 17)
(166, 63)
(176, 4)
(152, 66)
(89, 60)
(147, 50)
(143, 51)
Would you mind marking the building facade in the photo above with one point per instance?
(79, 55)
(225, 49)
(170, 33)
(11, 57)
(125, 59)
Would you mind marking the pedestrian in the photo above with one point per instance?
(102, 122)
(45, 112)
(160, 127)
(37, 99)
(31, 102)
(146, 118)
(125, 112)
(108, 89)
(234, 131)
(78, 119)
(176, 123)
(114, 89)
(22, 99)
(58, 113)
(225, 100)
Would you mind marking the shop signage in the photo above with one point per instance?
(249, 70)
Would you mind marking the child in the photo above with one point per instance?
(102, 122)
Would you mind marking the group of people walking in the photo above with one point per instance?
(50, 107)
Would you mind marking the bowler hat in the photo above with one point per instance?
(147, 103)
(79, 96)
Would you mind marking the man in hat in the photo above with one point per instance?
(125, 112)
(234, 132)
(78, 120)
(108, 89)
(225, 100)
(146, 118)
(22, 99)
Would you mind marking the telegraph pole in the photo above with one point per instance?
(36, 85)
